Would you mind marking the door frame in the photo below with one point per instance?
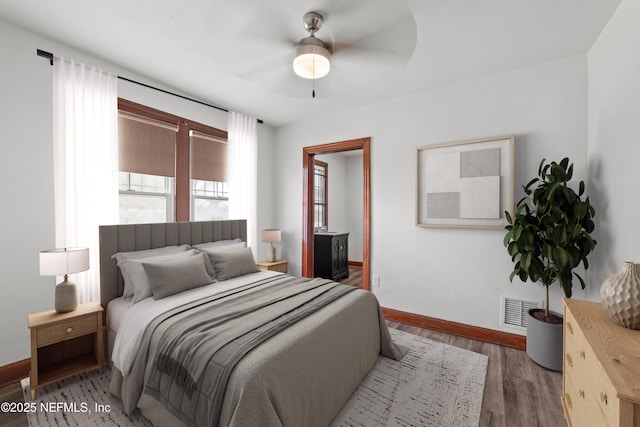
(308, 155)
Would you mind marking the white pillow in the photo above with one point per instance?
(136, 283)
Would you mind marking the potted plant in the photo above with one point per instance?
(547, 238)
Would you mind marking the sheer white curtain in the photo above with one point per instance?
(243, 177)
(85, 151)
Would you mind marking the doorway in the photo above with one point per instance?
(309, 154)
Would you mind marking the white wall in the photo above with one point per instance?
(26, 171)
(345, 189)
(453, 274)
(353, 201)
(336, 190)
(614, 142)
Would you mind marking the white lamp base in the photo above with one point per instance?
(271, 254)
(66, 297)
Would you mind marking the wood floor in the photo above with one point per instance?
(12, 393)
(355, 277)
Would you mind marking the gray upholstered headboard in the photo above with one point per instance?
(137, 237)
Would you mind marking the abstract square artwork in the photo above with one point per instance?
(465, 184)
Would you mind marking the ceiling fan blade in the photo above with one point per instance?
(266, 24)
(380, 30)
(260, 68)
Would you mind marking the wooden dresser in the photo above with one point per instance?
(601, 377)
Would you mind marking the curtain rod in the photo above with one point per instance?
(49, 56)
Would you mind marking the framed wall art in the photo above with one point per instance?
(465, 184)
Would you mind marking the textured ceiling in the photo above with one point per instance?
(237, 54)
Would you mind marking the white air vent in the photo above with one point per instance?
(514, 311)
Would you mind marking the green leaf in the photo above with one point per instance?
(558, 173)
(580, 210)
(581, 189)
(516, 232)
(566, 287)
(582, 284)
(540, 167)
(507, 239)
(570, 195)
(513, 249)
(560, 257)
(530, 183)
(512, 275)
(577, 229)
(523, 275)
(527, 239)
(525, 262)
(508, 216)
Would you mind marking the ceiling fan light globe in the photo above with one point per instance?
(311, 66)
(312, 61)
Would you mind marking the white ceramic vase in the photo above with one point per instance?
(620, 295)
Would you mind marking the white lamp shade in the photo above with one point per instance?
(57, 262)
(271, 235)
(312, 62)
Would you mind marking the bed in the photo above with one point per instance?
(296, 367)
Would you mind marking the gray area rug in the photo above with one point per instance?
(433, 385)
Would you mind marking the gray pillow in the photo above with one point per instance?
(136, 283)
(165, 250)
(222, 243)
(232, 263)
(172, 277)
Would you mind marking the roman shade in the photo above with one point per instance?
(146, 145)
(208, 157)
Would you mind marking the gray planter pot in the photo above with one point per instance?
(544, 342)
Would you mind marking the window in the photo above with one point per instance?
(209, 194)
(171, 168)
(145, 198)
(320, 198)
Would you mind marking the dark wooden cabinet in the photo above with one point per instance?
(331, 255)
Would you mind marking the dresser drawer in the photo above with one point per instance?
(604, 394)
(72, 328)
(571, 332)
(579, 402)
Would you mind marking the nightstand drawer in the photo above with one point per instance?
(71, 328)
(282, 268)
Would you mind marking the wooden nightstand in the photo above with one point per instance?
(280, 265)
(65, 344)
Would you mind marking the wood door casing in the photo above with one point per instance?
(308, 154)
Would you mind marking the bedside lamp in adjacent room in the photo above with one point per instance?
(65, 261)
(271, 236)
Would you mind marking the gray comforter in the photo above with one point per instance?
(182, 372)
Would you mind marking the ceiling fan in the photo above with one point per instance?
(313, 56)
(359, 42)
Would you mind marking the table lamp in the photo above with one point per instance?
(64, 261)
(271, 236)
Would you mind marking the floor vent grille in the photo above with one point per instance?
(515, 311)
